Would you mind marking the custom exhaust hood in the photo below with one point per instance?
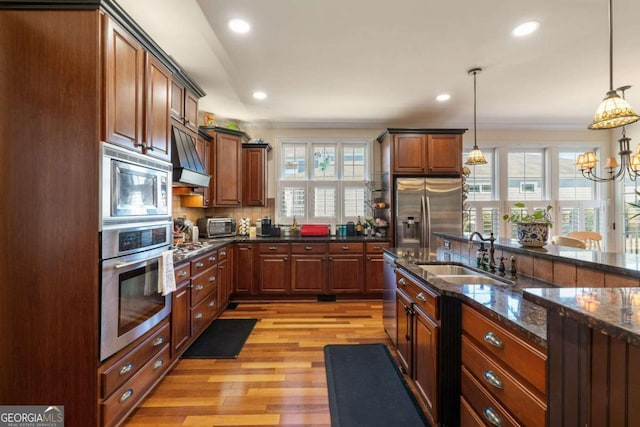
(187, 167)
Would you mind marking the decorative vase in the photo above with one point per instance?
(533, 234)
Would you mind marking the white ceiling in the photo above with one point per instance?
(381, 63)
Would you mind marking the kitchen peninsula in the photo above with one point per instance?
(578, 344)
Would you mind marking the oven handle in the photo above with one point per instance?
(127, 264)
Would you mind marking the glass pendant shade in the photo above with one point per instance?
(476, 157)
(613, 112)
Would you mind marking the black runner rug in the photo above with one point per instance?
(222, 340)
(367, 389)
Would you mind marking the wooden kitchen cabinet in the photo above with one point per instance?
(225, 275)
(244, 262)
(346, 268)
(190, 110)
(425, 360)
(373, 276)
(180, 309)
(504, 374)
(177, 101)
(427, 154)
(273, 269)
(183, 105)
(309, 268)
(254, 174)
(137, 95)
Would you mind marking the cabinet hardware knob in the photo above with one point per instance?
(491, 417)
(421, 297)
(212, 303)
(199, 287)
(182, 273)
(273, 248)
(212, 278)
(377, 248)
(493, 379)
(200, 264)
(126, 368)
(158, 341)
(127, 394)
(345, 248)
(212, 258)
(158, 363)
(402, 281)
(493, 340)
(368, 258)
(223, 253)
(198, 316)
(285, 258)
(308, 248)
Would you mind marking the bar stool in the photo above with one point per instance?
(590, 238)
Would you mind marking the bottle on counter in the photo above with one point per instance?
(359, 227)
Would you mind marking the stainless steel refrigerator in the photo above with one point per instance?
(424, 206)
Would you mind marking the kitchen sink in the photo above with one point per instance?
(473, 280)
(448, 270)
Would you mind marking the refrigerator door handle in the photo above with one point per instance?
(427, 218)
(425, 225)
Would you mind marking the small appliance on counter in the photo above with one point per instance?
(210, 228)
(264, 226)
(314, 230)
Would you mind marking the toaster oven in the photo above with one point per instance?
(216, 227)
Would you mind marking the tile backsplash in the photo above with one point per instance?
(193, 214)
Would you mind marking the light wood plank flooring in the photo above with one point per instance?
(279, 377)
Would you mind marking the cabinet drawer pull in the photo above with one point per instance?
(402, 281)
(273, 248)
(421, 297)
(182, 273)
(199, 287)
(212, 303)
(345, 248)
(212, 278)
(127, 394)
(212, 258)
(377, 248)
(158, 363)
(198, 316)
(199, 264)
(223, 253)
(308, 248)
(493, 379)
(491, 417)
(493, 340)
(126, 368)
(158, 341)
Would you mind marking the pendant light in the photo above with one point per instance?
(475, 156)
(614, 111)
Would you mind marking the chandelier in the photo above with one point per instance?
(614, 111)
(475, 156)
(629, 164)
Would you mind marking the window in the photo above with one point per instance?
(481, 209)
(631, 228)
(525, 171)
(322, 181)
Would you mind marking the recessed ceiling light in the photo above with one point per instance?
(259, 95)
(443, 97)
(239, 26)
(525, 29)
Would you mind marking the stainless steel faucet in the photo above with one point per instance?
(492, 250)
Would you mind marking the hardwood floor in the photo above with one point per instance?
(279, 377)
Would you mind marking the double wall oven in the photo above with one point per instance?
(136, 229)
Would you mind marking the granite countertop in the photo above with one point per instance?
(501, 303)
(187, 251)
(613, 262)
(613, 311)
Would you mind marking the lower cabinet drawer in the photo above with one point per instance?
(521, 401)
(130, 393)
(203, 284)
(468, 416)
(124, 368)
(492, 412)
(203, 313)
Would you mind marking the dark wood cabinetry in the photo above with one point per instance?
(190, 111)
(254, 174)
(225, 275)
(244, 269)
(183, 105)
(180, 309)
(427, 154)
(309, 268)
(273, 268)
(373, 275)
(346, 268)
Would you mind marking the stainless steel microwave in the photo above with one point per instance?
(216, 227)
(134, 187)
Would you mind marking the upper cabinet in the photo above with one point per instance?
(184, 106)
(438, 154)
(137, 95)
(254, 174)
(429, 152)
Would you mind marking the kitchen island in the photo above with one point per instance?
(575, 306)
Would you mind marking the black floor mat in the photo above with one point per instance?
(222, 340)
(366, 388)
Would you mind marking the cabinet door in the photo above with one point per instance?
(177, 101)
(444, 154)
(203, 147)
(190, 111)
(157, 99)
(228, 170)
(425, 362)
(346, 274)
(308, 274)
(254, 180)
(180, 322)
(223, 291)
(404, 325)
(409, 154)
(124, 86)
(373, 274)
(244, 269)
(273, 274)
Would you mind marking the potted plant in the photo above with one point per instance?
(533, 228)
